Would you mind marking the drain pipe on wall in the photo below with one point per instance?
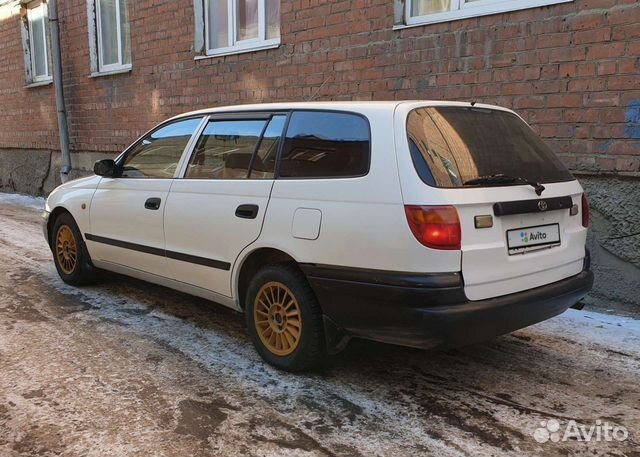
(57, 79)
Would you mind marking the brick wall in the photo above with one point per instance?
(27, 116)
(572, 70)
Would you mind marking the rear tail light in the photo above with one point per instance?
(585, 211)
(437, 227)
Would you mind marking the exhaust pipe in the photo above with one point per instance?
(579, 306)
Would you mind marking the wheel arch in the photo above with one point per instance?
(252, 262)
(55, 213)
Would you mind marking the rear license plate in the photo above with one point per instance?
(532, 238)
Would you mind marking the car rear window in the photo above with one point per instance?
(452, 145)
(321, 144)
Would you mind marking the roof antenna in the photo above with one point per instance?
(473, 103)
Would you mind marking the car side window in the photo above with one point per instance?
(228, 149)
(325, 145)
(157, 155)
(264, 163)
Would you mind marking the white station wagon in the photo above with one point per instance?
(419, 223)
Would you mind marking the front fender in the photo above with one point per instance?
(74, 197)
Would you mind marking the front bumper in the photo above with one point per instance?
(427, 311)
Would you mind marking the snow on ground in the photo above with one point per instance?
(124, 367)
(598, 329)
(25, 201)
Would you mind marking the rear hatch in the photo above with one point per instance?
(513, 196)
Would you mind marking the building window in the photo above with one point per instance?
(241, 25)
(109, 39)
(430, 11)
(114, 47)
(37, 43)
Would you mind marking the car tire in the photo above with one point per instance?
(70, 254)
(284, 319)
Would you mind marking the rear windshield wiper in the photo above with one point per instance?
(502, 180)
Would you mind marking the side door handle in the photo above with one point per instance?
(152, 203)
(247, 211)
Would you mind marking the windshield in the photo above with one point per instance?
(452, 145)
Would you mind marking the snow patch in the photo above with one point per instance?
(588, 327)
(25, 201)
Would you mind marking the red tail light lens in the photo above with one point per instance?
(437, 227)
(585, 211)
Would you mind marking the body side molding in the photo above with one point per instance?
(219, 264)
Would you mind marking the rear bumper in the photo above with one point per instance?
(426, 311)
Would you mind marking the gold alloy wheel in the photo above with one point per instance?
(277, 318)
(66, 249)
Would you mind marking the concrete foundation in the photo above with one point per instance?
(25, 171)
(37, 172)
(614, 240)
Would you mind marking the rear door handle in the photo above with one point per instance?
(247, 211)
(152, 203)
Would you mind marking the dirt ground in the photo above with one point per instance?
(124, 368)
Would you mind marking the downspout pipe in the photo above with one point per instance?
(56, 58)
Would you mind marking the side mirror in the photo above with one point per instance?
(105, 167)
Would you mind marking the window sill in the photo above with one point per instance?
(117, 71)
(46, 82)
(232, 51)
(476, 11)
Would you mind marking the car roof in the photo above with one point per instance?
(362, 107)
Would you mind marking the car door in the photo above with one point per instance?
(127, 210)
(217, 208)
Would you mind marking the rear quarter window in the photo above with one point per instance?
(322, 144)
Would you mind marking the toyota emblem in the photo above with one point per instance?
(542, 205)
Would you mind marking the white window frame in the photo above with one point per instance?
(32, 55)
(463, 9)
(253, 44)
(114, 66)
